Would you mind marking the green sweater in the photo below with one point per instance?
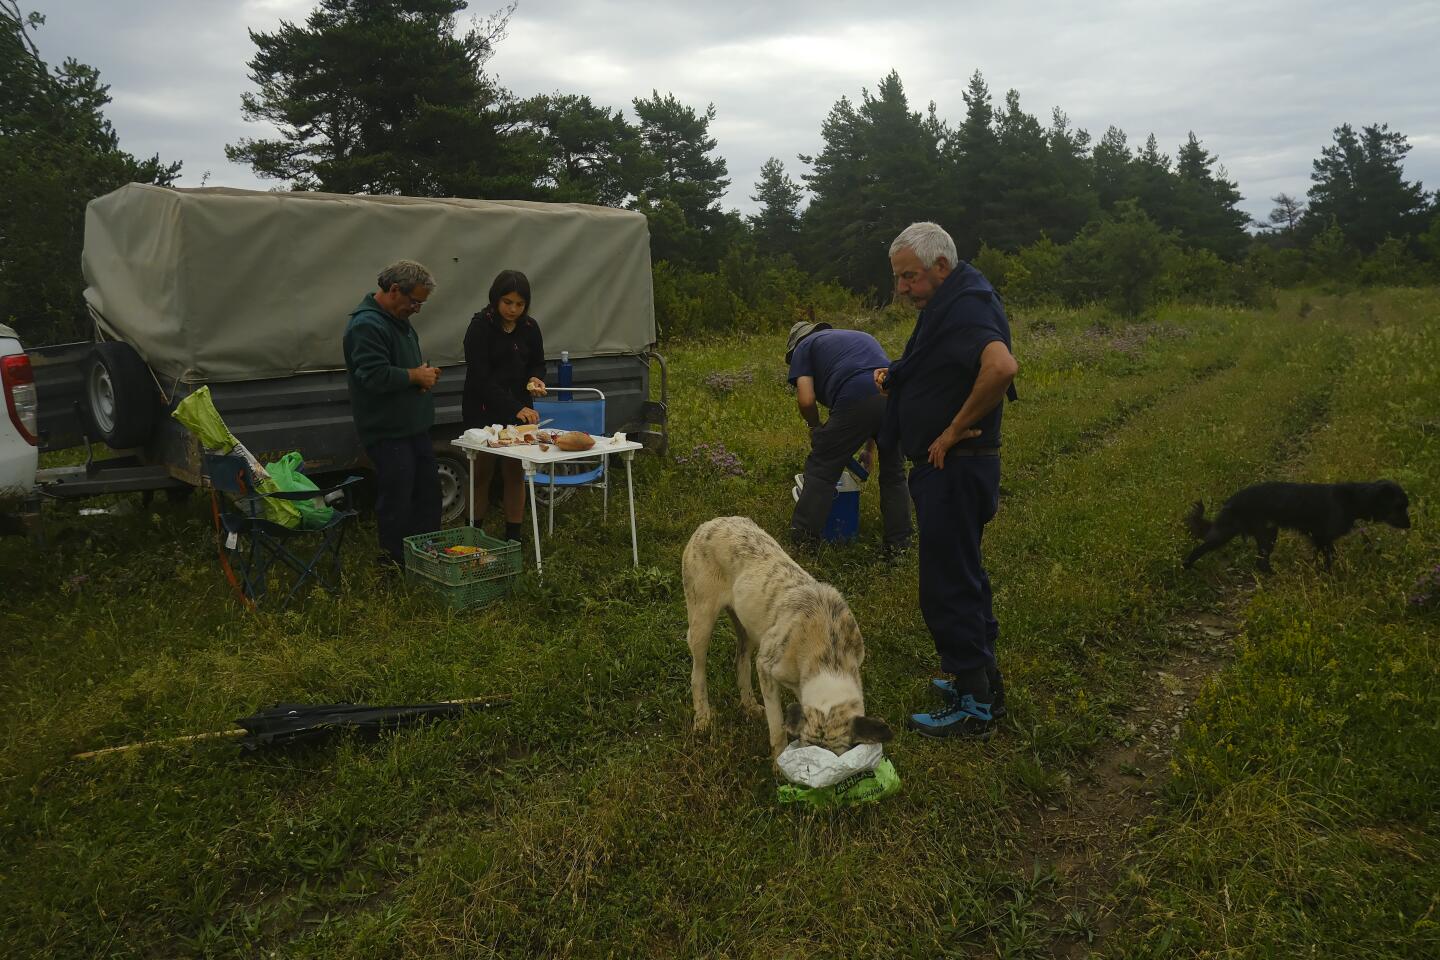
(379, 350)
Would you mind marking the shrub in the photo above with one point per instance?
(1391, 265)
(1118, 261)
(1035, 274)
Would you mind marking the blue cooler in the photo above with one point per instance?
(843, 524)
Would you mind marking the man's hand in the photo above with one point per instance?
(424, 376)
(867, 456)
(528, 415)
(536, 386)
(947, 439)
(881, 374)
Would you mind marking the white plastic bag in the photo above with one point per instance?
(813, 766)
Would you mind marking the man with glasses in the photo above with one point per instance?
(390, 385)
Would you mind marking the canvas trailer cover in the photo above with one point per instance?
(217, 284)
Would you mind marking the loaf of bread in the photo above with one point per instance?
(574, 440)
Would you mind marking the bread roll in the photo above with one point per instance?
(574, 440)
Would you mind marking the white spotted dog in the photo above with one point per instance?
(800, 631)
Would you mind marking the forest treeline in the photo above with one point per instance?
(395, 97)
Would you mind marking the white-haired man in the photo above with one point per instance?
(390, 384)
(944, 402)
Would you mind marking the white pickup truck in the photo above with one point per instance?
(18, 451)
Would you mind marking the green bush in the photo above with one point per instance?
(1391, 265)
(1035, 275)
(1119, 262)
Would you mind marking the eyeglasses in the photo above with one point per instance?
(416, 302)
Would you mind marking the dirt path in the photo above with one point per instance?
(1086, 837)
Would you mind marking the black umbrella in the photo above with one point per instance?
(292, 722)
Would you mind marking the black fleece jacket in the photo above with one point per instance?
(498, 365)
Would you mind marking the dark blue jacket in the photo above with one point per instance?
(934, 376)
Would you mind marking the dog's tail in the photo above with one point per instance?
(1195, 521)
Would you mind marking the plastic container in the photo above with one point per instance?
(565, 375)
(501, 558)
(843, 523)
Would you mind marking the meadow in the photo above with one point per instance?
(1289, 809)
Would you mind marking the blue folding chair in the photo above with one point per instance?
(585, 411)
(250, 545)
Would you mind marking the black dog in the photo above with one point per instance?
(1324, 512)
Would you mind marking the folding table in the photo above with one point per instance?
(532, 457)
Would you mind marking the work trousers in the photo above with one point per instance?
(407, 491)
(831, 447)
(952, 507)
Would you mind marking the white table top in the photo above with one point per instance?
(531, 451)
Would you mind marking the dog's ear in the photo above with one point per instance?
(795, 719)
(870, 730)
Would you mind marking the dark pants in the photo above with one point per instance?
(407, 499)
(831, 448)
(952, 507)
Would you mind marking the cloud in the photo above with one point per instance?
(1262, 86)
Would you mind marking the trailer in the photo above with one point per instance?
(249, 292)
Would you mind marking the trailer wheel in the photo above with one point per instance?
(454, 487)
(120, 397)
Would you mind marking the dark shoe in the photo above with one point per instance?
(893, 553)
(945, 687)
(803, 541)
(961, 717)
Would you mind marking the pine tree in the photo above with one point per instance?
(1287, 213)
(679, 175)
(57, 153)
(974, 153)
(1113, 169)
(1206, 211)
(381, 96)
(592, 153)
(873, 177)
(1359, 184)
(1075, 201)
(776, 227)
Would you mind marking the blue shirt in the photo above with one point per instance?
(842, 362)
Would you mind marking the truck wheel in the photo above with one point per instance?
(454, 487)
(119, 395)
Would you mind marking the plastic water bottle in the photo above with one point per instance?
(565, 374)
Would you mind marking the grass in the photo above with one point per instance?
(586, 820)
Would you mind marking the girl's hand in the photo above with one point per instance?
(528, 415)
(536, 386)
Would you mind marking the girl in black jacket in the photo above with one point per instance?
(504, 367)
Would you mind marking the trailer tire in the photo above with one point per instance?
(454, 487)
(120, 401)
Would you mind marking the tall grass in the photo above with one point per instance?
(585, 819)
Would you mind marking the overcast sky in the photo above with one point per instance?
(1262, 84)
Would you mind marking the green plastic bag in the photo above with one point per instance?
(288, 478)
(867, 787)
(197, 412)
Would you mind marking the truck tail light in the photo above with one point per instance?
(17, 382)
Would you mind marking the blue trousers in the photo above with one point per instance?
(952, 507)
(407, 494)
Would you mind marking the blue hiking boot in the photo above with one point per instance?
(960, 717)
(945, 687)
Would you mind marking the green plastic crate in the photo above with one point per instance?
(465, 596)
(501, 558)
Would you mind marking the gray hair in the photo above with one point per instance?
(408, 274)
(928, 242)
